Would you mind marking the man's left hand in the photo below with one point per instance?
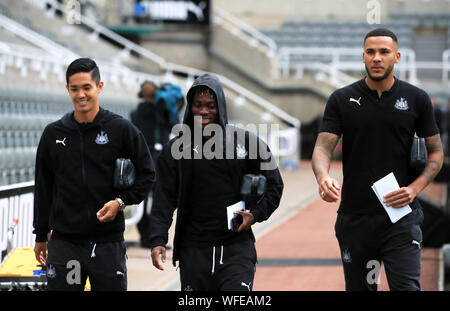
(247, 220)
(108, 212)
(400, 197)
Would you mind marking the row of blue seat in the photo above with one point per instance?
(351, 33)
(32, 107)
(14, 176)
(23, 116)
(19, 139)
(337, 31)
(317, 41)
(53, 107)
(337, 25)
(17, 158)
(26, 121)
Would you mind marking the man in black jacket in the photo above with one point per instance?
(201, 185)
(153, 120)
(74, 194)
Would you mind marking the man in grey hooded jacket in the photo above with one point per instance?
(200, 175)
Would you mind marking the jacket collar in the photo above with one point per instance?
(103, 116)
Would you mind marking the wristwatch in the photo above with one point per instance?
(121, 204)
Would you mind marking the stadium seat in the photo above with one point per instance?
(351, 34)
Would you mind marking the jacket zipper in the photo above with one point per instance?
(83, 176)
(83, 171)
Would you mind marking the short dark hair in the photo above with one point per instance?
(83, 65)
(381, 32)
(148, 82)
(145, 83)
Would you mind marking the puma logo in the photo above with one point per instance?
(356, 101)
(248, 286)
(197, 9)
(62, 142)
(416, 243)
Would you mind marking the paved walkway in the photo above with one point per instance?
(297, 248)
(302, 254)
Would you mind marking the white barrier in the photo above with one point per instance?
(17, 201)
(136, 214)
(288, 148)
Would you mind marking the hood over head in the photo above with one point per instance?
(214, 84)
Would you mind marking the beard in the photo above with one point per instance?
(386, 74)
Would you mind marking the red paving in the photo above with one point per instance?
(310, 234)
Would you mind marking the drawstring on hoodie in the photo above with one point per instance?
(214, 258)
(93, 251)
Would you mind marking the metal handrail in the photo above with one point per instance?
(259, 36)
(37, 55)
(108, 70)
(286, 53)
(283, 53)
(15, 51)
(264, 103)
(99, 29)
(285, 64)
(139, 76)
(337, 77)
(33, 37)
(336, 53)
(240, 90)
(169, 68)
(16, 186)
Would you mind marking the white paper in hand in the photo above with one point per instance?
(239, 206)
(384, 186)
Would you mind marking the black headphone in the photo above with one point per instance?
(144, 83)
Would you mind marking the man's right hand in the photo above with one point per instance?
(329, 189)
(40, 252)
(157, 253)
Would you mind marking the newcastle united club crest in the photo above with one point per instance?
(102, 138)
(241, 152)
(401, 104)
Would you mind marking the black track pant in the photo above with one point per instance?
(219, 268)
(366, 241)
(69, 264)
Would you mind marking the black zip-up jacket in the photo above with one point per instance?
(174, 177)
(74, 176)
